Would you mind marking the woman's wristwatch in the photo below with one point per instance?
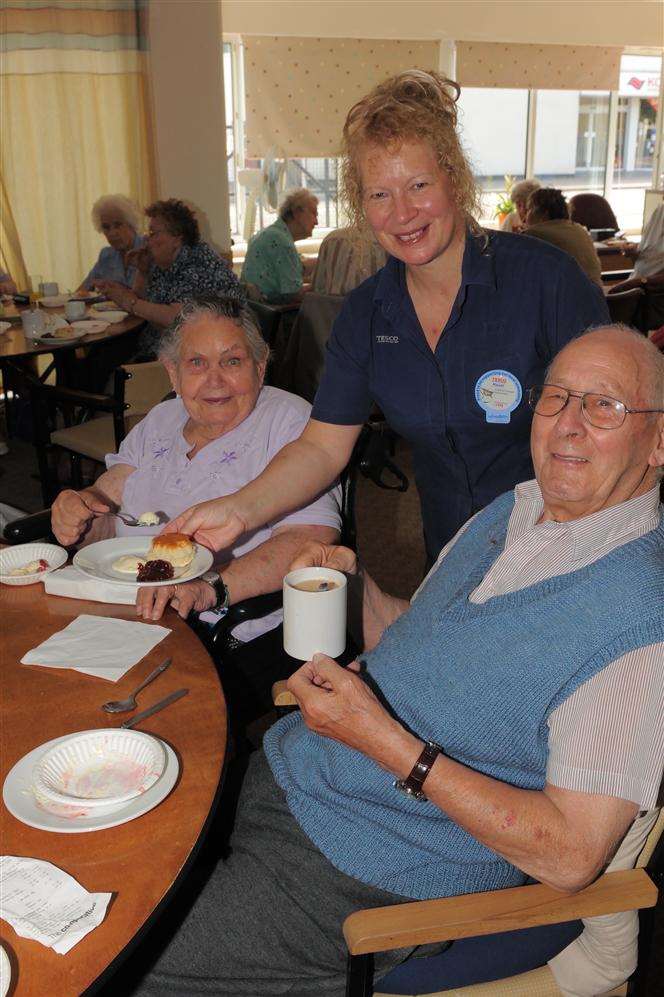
(220, 590)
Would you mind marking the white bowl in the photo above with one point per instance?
(97, 769)
(114, 316)
(22, 554)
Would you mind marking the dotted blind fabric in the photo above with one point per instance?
(299, 90)
(545, 67)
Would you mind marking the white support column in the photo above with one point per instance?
(530, 134)
(187, 89)
(447, 58)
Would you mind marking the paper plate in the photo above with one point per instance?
(22, 554)
(19, 797)
(98, 770)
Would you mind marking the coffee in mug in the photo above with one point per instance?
(314, 612)
(316, 585)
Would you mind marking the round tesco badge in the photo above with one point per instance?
(498, 393)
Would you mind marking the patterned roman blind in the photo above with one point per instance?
(299, 90)
(543, 67)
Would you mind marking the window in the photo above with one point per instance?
(571, 139)
(493, 126)
(560, 136)
(636, 136)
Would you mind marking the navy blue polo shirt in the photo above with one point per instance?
(519, 302)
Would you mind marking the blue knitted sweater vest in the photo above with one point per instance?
(479, 679)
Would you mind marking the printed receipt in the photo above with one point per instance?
(42, 902)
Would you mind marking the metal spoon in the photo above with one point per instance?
(124, 705)
(132, 521)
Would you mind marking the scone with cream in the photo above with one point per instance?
(177, 548)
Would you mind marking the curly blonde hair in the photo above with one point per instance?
(405, 108)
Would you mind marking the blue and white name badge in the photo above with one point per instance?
(498, 393)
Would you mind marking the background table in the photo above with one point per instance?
(13, 343)
(140, 861)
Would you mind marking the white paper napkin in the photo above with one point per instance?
(97, 645)
(74, 584)
(42, 902)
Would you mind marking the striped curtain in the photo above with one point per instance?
(74, 121)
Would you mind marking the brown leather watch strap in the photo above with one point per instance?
(412, 785)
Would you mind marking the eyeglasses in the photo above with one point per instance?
(600, 411)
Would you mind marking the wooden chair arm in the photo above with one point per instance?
(281, 696)
(420, 922)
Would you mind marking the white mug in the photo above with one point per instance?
(316, 620)
(33, 323)
(74, 310)
(49, 290)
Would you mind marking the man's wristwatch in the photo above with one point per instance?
(220, 590)
(412, 785)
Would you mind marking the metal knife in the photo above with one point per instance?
(155, 709)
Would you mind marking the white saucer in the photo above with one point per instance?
(19, 799)
(5, 972)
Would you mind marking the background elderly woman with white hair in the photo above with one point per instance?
(519, 194)
(218, 434)
(119, 219)
(272, 263)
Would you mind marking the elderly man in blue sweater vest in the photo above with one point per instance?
(504, 725)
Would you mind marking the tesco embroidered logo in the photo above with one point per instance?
(387, 339)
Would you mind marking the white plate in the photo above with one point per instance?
(47, 339)
(54, 300)
(22, 554)
(5, 972)
(89, 327)
(4, 326)
(110, 315)
(97, 560)
(20, 801)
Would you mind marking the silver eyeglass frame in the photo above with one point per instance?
(583, 395)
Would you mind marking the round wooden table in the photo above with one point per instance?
(13, 343)
(138, 862)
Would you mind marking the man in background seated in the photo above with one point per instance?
(506, 724)
(346, 257)
(272, 263)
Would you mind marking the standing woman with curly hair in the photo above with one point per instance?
(446, 338)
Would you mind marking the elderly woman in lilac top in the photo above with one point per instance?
(219, 433)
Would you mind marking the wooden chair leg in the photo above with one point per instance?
(359, 975)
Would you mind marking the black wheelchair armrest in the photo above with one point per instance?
(29, 528)
(248, 609)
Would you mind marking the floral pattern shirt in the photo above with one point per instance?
(196, 270)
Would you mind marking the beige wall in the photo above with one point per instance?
(187, 92)
(581, 22)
